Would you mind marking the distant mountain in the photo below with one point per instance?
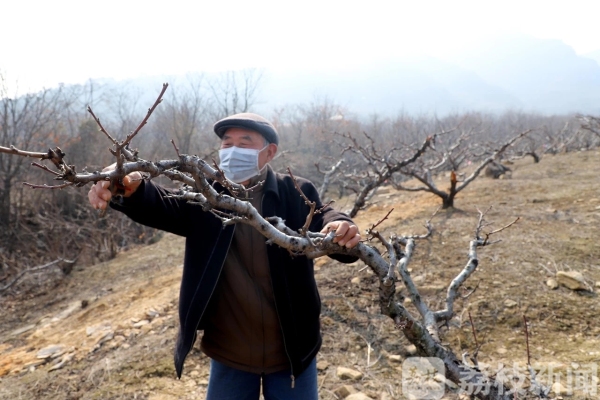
(512, 72)
(509, 73)
(546, 75)
(414, 85)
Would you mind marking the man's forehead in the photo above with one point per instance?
(240, 133)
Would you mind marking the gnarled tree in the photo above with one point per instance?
(425, 171)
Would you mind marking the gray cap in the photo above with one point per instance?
(248, 121)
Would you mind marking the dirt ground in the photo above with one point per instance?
(107, 331)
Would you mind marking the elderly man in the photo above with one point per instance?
(258, 306)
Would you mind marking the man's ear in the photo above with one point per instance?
(271, 151)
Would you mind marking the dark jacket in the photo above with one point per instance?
(207, 243)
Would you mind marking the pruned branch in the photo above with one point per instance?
(15, 151)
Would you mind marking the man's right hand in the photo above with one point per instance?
(99, 195)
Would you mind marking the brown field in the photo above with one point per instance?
(116, 321)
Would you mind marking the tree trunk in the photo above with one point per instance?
(448, 202)
(5, 203)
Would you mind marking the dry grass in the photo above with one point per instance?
(558, 201)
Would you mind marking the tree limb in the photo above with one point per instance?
(34, 269)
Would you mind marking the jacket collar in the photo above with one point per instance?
(271, 183)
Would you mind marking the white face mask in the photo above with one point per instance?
(239, 164)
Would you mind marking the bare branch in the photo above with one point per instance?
(113, 140)
(148, 114)
(591, 124)
(34, 269)
(45, 168)
(477, 346)
(375, 225)
(309, 203)
(44, 186)
(175, 147)
(491, 158)
(526, 339)
(15, 151)
(327, 177)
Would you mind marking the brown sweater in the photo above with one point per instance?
(243, 330)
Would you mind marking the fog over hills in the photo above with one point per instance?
(510, 73)
(517, 72)
(594, 55)
(546, 75)
(414, 85)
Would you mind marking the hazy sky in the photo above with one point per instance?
(47, 42)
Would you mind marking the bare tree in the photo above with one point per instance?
(424, 173)
(591, 124)
(380, 166)
(235, 91)
(124, 106)
(307, 129)
(328, 175)
(185, 116)
(25, 121)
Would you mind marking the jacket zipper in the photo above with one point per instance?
(211, 293)
(287, 353)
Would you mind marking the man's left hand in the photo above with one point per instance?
(346, 234)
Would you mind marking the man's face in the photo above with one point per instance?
(247, 139)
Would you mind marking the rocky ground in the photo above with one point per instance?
(107, 331)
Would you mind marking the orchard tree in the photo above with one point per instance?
(425, 170)
(379, 166)
(26, 121)
(185, 115)
(234, 91)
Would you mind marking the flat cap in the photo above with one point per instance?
(248, 121)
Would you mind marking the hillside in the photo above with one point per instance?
(107, 331)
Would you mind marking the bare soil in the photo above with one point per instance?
(114, 324)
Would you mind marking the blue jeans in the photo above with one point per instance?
(226, 383)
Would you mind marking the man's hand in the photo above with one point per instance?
(99, 195)
(345, 233)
